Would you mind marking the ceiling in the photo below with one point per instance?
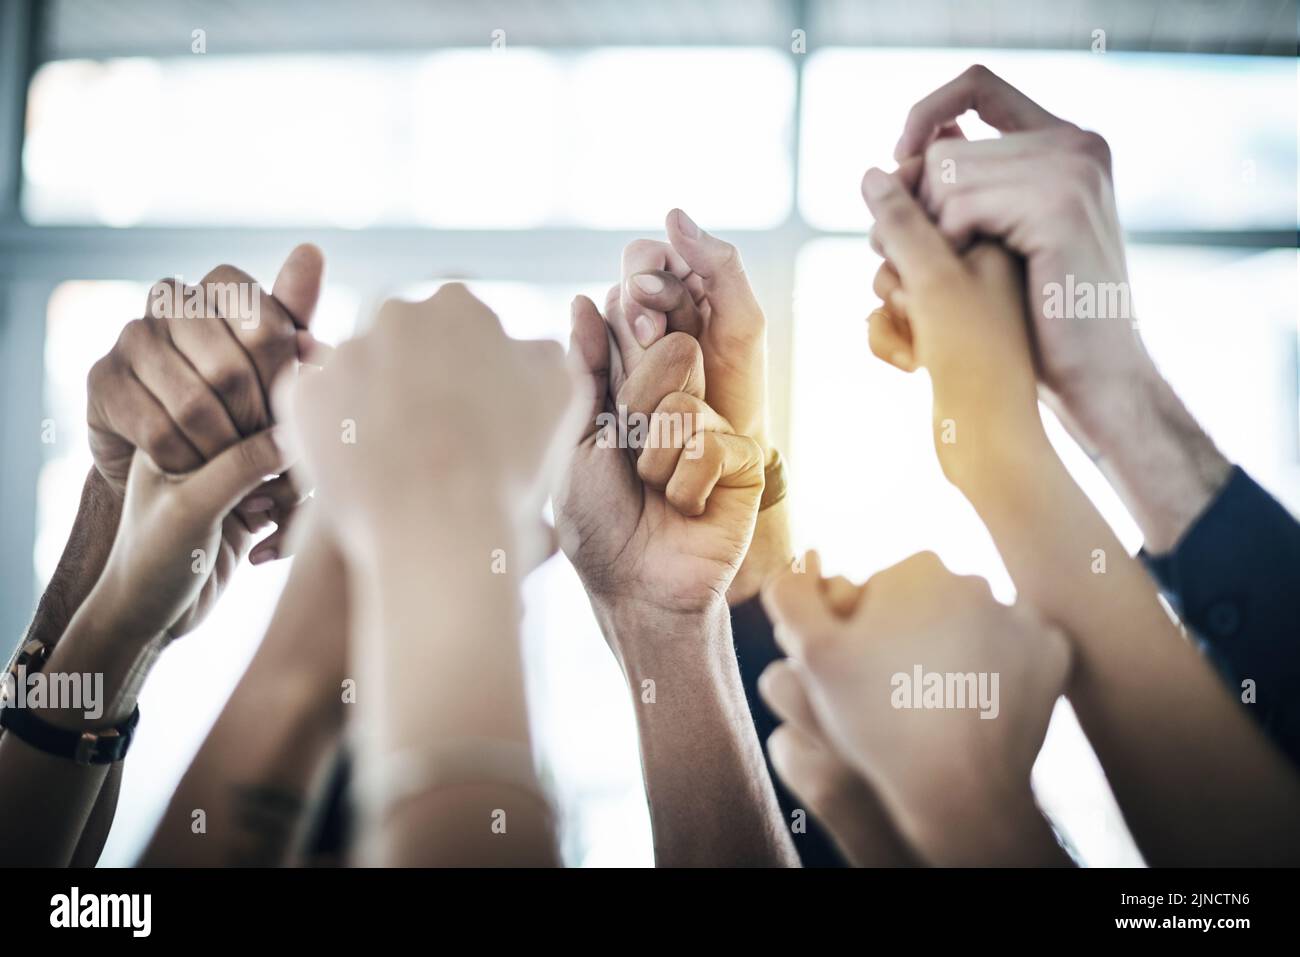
(94, 28)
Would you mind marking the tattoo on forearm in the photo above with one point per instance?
(266, 818)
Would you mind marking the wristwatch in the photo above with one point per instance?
(83, 747)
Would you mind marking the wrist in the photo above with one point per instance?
(455, 512)
(997, 827)
(989, 455)
(646, 638)
(770, 551)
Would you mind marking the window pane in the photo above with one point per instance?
(1199, 142)
(514, 138)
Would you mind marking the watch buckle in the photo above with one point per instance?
(85, 747)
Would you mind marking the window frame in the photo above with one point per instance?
(35, 259)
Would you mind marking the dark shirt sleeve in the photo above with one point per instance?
(1234, 579)
(756, 648)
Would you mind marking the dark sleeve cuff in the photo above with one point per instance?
(1234, 578)
(756, 648)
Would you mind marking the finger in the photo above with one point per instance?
(297, 287)
(910, 171)
(783, 690)
(663, 292)
(138, 421)
(994, 212)
(919, 253)
(288, 504)
(797, 606)
(625, 352)
(958, 167)
(842, 595)
(673, 426)
(714, 459)
(271, 548)
(810, 769)
(256, 321)
(217, 487)
(887, 286)
(673, 364)
(589, 352)
(718, 265)
(280, 494)
(645, 324)
(997, 102)
(891, 341)
(188, 400)
(226, 367)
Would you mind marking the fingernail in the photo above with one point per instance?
(649, 283)
(876, 183)
(687, 225)
(259, 503)
(644, 330)
(261, 557)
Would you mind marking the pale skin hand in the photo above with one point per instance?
(657, 540)
(833, 791)
(1197, 781)
(1044, 188)
(696, 283)
(955, 781)
(140, 602)
(435, 629)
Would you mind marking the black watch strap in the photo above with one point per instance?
(83, 747)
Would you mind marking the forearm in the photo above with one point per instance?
(48, 801)
(1196, 781)
(82, 560)
(246, 798)
(711, 798)
(75, 575)
(1159, 460)
(254, 777)
(441, 697)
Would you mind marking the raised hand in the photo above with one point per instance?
(938, 695)
(666, 527)
(193, 377)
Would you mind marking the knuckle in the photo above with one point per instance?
(1093, 144)
(642, 249)
(232, 380)
(133, 334)
(195, 412)
(224, 273)
(162, 295)
(678, 347)
(164, 446)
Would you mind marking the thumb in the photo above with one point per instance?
(218, 487)
(298, 285)
(714, 260)
(589, 356)
(922, 257)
